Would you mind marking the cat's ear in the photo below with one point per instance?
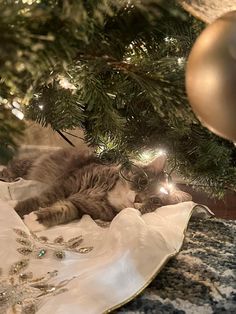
(157, 165)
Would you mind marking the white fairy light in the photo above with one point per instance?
(18, 113)
(128, 59)
(161, 152)
(170, 40)
(66, 84)
(30, 1)
(41, 107)
(181, 61)
(163, 190)
(16, 104)
(148, 155)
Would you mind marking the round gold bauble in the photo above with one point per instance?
(211, 77)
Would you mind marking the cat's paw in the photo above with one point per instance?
(32, 222)
(27, 206)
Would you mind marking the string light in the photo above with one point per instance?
(181, 61)
(66, 84)
(16, 104)
(148, 155)
(18, 113)
(163, 190)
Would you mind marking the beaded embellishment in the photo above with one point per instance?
(20, 290)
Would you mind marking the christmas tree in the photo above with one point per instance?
(116, 69)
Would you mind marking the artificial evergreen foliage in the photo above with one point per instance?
(11, 130)
(116, 69)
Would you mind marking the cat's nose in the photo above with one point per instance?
(138, 199)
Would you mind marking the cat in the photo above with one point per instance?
(79, 183)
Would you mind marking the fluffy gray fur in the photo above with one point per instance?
(80, 184)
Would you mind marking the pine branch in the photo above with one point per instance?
(116, 69)
(11, 130)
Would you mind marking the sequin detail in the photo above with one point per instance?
(103, 224)
(21, 233)
(24, 241)
(84, 250)
(17, 267)
(24, 250)
(59, 254)
(58, 239)
(75, 242)
(21, 293)
(43, 239)
(26, 276)
(42, 253)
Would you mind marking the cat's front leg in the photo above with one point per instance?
(60, 212)
(25, 207)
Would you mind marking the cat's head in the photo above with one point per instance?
(149, 181)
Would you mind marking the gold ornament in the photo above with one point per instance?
(211, 77)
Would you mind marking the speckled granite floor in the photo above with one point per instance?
(201, 279)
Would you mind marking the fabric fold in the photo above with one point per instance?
(85, 267)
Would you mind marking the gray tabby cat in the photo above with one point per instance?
(78, 183)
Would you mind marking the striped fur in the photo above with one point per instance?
(80, 184)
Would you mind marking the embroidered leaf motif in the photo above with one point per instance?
(75, 239)
(43, 238)
(17, 267)
(24, 250)
(84, 250)
(26, 276)
(59, 239)
(59, 254)
(103, 224)
(60, 291)
(75, 242)
(44, 287)
(23, 241)
(29, 309)
(21, 233)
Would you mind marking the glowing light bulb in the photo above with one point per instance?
(149, 155)
(161, 152)
(163, 190)
(18, 113)
(65, 83)
(16, 104)
(146, 156)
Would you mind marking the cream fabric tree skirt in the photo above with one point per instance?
(85, 266)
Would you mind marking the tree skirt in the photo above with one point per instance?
(92, 267)
(200, 279)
